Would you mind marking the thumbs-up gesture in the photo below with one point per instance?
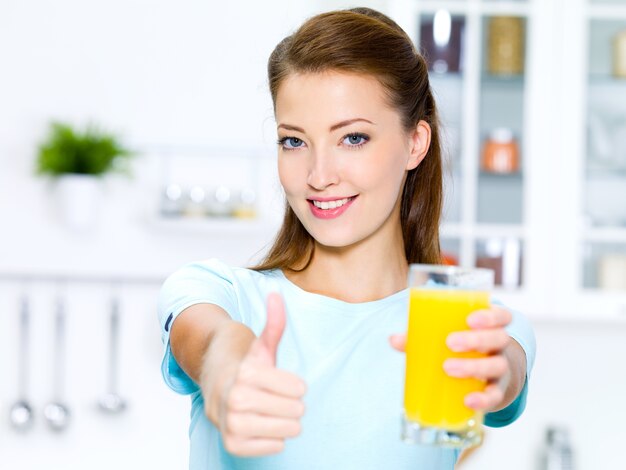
(263, 405)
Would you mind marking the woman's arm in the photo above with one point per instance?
(209, 346)
(255, 405)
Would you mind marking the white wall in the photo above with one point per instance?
(185, 73)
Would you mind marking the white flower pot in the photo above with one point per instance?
(79, 198)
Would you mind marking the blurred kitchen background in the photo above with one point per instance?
(533, 100)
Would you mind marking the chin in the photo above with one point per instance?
(335, 240)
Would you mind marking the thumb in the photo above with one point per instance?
(275, 326)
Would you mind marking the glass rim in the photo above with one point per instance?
(447, 269)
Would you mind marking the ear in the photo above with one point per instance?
(419, 143)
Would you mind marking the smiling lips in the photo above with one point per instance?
(330, 208)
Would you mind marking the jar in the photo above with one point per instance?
(195, 203)
(505, 45)
(619, 55)
(172, 200)
(441, 42)
(220, 203)
(245, 208)
(612, 272)
(500, 152)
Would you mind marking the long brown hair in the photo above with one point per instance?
(365, 41)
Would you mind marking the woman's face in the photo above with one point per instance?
(343, 155)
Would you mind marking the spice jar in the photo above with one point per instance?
(619, 54)
(500, 152)
(505, 45)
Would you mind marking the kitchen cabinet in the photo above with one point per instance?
(593, 254)
(553, 222)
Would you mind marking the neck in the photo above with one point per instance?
(369, 270)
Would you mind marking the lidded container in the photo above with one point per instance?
(500, 152)
(505, 45)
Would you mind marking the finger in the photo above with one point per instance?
(271, 380)
(488, 400)
(275, 325)
(255, 425)
(485, 341)
(488, 368)
(252, 447)
(489, 318)
(398, 342)
(250, 400)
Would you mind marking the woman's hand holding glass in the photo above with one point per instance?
(486, 335)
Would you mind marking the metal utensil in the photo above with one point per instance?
(57, 413)
(21, 414)
(111, 402)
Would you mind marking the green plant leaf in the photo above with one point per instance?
(90, 152)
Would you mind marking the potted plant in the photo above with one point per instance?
(77, 160)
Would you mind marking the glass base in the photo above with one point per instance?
(415, 433)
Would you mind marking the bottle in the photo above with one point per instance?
(558, 453)
(505, 46)
(500, 152)
(441, 41)
(619, 54)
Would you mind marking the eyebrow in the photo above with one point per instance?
(334, 127)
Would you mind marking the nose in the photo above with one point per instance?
(322, 171)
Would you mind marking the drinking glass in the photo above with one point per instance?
(440, 300)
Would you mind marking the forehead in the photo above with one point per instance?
(331, 95)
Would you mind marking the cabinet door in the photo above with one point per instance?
(604, 168)
(598, 247)
(499, 152)
(495, 109)
(477, 55)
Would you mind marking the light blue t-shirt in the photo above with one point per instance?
(354, 378)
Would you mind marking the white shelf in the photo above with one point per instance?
(212, 226)
(463, 8)
(606, 12)
(595, 305)
(606, 235)
(481, 231)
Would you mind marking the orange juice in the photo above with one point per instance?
(431, 397)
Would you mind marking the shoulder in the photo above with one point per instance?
(215, 269)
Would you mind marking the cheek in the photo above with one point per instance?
(287, 174)
(384, 175)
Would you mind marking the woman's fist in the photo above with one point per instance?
(263, 405)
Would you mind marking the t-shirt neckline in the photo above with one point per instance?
(344, 305)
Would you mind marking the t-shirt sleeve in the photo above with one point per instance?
(210, 282)
(521, 331)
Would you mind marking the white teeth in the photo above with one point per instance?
(331, 204)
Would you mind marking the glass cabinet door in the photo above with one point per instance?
(500, 152)
(476, 54)
(440, 37)
(604, 169)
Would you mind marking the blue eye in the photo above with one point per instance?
(355, 140)
(290, 143)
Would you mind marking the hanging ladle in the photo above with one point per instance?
(21, 414)
(111, 402)
(57, 413)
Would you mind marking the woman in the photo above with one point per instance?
(309, 380)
